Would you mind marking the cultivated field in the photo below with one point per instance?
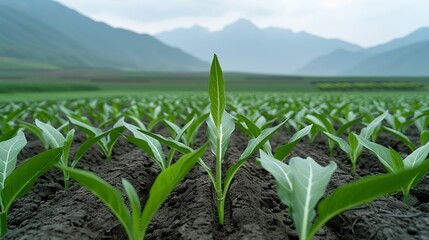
(216, 165)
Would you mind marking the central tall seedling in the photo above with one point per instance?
(220, 127)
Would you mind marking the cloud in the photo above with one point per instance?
(366, 22)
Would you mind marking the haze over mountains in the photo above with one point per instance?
(242, 46)
(46, 33)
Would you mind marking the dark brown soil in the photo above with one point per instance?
(252, 211)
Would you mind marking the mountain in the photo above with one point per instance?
(83, 41)
(23, 37)
(385, 59)
(421, 34)
(334, 63)
(242, 46)
(411, 60)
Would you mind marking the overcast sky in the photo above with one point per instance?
(365, 22)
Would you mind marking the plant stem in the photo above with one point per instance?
(219, 195)
(3, 223)
(66, 181)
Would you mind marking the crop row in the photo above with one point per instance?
(350, 123)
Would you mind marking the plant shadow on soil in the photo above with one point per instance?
(252, 211)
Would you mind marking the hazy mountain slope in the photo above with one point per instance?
(23, 37)
(420, 35)
(412, 60)
(242, 46)
(334, 63)
(121, 48)
(346, 62)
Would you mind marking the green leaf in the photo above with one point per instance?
(219, 137)
(9, 151)
(216, 92)
(416, 157)
(169, 142)
(284, 150)
(20, 181)
(36, 131)
(309, 181)
(400, 136)
(282, 174)
(369, 130)
(382, 152)
(85, 146)
(424, 137)
(193, 129)
(136, 208)
(89, 130)
(52, 136)
(166, 181)
(362, 191)
(343, 144)
(398, 163)
(147, 143)
(347, 125)
(251, 126)
(111, 197)
(253, 146)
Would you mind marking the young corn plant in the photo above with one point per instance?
(327, 126)
(15, 182)
(220, 127)
(302, 183)
(352, 147)
(55, 139)
(105, 139)
(136, 221)
(394, 163)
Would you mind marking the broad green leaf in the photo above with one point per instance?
(343, 144)
(347, 125)
(220, 137)
(398, 163)
(282, 174)
(173, 127)
(253, 146)
(169, 142)
(424, 137)
(90, 130)
(166, 181)
(362, 191)
(216, 92)
(416, 157)
(400, 136)
(67, 145)
(382, 152)
(20, 181)
(309, 181)
(369, 130)
(53, 137)
(36, 131)
(256, 143)
(9, 151)
(147, 143)
(284, 150)
(317, 122)
(251, 126)
(193, 128)
(136, 208)
(85, 146)
(111, 197)
(112, 138)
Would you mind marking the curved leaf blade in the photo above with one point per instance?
(166, 181)
(363, 191)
